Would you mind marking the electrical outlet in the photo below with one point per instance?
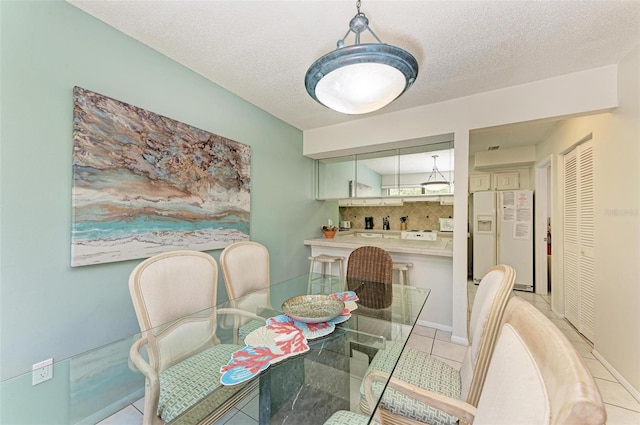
(42, 371)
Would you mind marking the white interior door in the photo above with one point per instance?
(542, 214)
(586, 238)
(578, 239)
(571, 264)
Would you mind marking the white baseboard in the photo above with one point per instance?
(634, 392)
(460, 340)
(112, 408)
(434, 325)
(454, 339)
(557, 313)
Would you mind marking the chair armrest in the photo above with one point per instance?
(152, 380)
(139, 362)
(238, 312)
(458, 408)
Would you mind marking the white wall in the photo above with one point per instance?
(513, 157)
(573, 94)
(616, 138)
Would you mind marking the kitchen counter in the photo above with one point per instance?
(432, 265)
(390, 241)
(390, 233)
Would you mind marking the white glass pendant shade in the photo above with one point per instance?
(360, 88)
(436, 181)
(361, 78)
(436, 186)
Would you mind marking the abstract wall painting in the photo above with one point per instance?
(145, 184)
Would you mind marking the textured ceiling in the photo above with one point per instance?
(260, 50)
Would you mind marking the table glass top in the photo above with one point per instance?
(310, 384)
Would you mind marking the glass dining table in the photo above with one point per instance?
(308, 387)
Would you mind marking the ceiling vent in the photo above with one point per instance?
(493, 148)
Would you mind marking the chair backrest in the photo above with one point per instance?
(489, 304)
(245, 268)
(369, 274)
(174, 295)
(536, 376)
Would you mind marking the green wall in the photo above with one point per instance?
(49, 309)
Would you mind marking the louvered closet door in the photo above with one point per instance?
(571, 248)
(579, 239)
(586, 239)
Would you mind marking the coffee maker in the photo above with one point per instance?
(368, 223)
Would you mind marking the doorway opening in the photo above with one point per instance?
(542, 212)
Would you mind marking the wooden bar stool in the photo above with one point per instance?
(403, 272)
(326, 279)
(403, 280)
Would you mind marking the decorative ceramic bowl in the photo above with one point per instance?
(313, 308)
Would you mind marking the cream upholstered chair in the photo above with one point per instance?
(245, 268)
(174, 297)
(535, 376)
(430, 373)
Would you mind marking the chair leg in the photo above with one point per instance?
(323, 268)
(341, 278)
(313, 262)
(327, 280)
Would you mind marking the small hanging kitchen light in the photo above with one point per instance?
(361, 78)
(433, 183)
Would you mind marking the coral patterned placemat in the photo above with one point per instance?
(281, 338)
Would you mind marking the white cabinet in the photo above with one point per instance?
(370, 202)
(478, 182)
(507, 180)
(355, 202)
(504, 180)
(392, 202)
(446, 200)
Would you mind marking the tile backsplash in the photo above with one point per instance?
(422, 215)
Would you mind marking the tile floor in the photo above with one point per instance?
(622, 408)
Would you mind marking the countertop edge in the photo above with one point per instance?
(391, 245)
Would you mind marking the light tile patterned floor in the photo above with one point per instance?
(622, 408)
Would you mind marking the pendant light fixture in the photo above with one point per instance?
(361, 78)
(433, 183)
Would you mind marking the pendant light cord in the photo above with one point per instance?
(435, 172)
(358, 24)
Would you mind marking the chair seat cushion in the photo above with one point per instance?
(249, 327)
(422, 370)
(344, 417)
(189, 381)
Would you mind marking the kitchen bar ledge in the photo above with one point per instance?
(432, 266)
(443, 247)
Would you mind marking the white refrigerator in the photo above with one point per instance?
(503, 234)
